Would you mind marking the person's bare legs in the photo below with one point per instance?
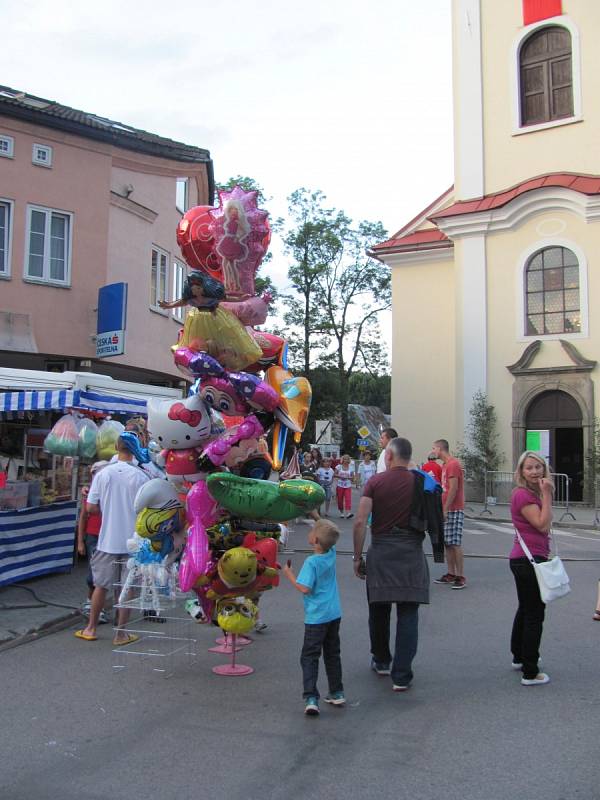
(459, 560)
(98, 598)
(450, 559)
(597, 611)
(122, 620)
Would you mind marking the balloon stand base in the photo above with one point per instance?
(232, 669)
(241, 641)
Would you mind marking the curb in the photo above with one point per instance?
(50, 627)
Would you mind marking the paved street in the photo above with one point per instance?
(76, 730)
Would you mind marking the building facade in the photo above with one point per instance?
(499, 273)
(85, 202)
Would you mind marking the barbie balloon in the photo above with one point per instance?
(196, 241)
(240, 231)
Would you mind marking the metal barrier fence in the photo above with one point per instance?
(499, 486)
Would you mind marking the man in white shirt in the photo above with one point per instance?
(112, 493)
(385, 437)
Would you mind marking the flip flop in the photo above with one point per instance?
(597, 615)
(131, 638)
(85, 636)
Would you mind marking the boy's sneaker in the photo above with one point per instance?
(400, 687)
(350, 515)
(336, 699)
(539, 679)
(519, 664)
(260, 626)
(311, 708)
(447, 578)
(380, 669)
(86, 608)
(103, 619)
(459, 582)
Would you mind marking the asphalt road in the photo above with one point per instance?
(73, 728)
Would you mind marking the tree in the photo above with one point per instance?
(480, 454)
(340, 291)
(366, 389)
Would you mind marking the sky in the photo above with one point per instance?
(352, 97)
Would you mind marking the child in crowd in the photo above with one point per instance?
(88, 530)
(325, 475)
(344, 475)
(366, 469)
(322, 615)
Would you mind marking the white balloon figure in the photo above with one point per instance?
(150, 572)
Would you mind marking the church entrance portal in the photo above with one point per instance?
(559, 414)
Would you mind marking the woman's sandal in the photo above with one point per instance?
(597, 615)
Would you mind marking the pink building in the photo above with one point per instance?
(84, 202)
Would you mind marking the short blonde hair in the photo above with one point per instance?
(327, 533)
(519, 479)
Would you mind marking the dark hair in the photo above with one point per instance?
(391, 433)
(401, 448)
(443, 443)
(211, 287)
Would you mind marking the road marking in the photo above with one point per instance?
(507, 528)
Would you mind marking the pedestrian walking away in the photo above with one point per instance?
(322, 615)
(88, 530)
(531, 513)
(396, 567)
(453, 502)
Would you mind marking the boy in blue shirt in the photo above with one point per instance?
(322, 616)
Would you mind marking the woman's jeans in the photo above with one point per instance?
(323, 638)
(529, 619)
(407, 635)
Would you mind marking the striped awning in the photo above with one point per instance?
(57, 399)
(40, 400)
(36, 541)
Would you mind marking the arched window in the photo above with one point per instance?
(545, 66)
(552, 299)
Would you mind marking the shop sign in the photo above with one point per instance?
(111, 343)
(112, 320)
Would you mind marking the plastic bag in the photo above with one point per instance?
(88, 431)
(106, 440)
(63, 439)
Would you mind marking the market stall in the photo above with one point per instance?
(38, 490)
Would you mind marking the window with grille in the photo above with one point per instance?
(48, 251)
(552, 293)
(545, 64)
(158, 280)
(7, 146)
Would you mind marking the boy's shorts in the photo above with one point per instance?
(109, 569)
(453, 528)
(91, 543)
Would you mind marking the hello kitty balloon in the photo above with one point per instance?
(180, 427)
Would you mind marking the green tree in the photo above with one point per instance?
(480, 453)
(367, 389)
(339, 292)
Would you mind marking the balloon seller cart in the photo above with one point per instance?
(162, 637)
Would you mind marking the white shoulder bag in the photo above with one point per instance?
(551, 575)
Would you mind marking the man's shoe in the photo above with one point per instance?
(103, 619)
(459, 582)
(311, 708)
(447, 578)
(539, 680)
(86, 608)
(380, 669)
(336, 699)
(260, 626)
(399, 687)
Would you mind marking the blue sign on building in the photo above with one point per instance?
(112, 320)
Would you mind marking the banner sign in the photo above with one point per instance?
(112, 319)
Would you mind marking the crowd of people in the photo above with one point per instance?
(399, 505)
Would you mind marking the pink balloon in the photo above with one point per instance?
(202, 511)
(241, 233)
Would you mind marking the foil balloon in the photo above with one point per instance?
(250, 312)
(295, 397)
(220, 334)
(202, 512)
(195, 239)
(249, 498)
(236, 615)
(241, 235)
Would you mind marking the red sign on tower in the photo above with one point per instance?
(535, 10)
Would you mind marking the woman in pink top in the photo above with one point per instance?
(531, 512)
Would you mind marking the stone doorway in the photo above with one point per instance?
(558, 412)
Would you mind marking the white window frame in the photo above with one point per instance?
(522, 262)
(37, 148)
(179, 275)
(186, 202)
(563, 21)
(10, 152)
(45, 278)
(5, 270)
(156, 297)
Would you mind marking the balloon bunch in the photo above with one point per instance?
(214, 443)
